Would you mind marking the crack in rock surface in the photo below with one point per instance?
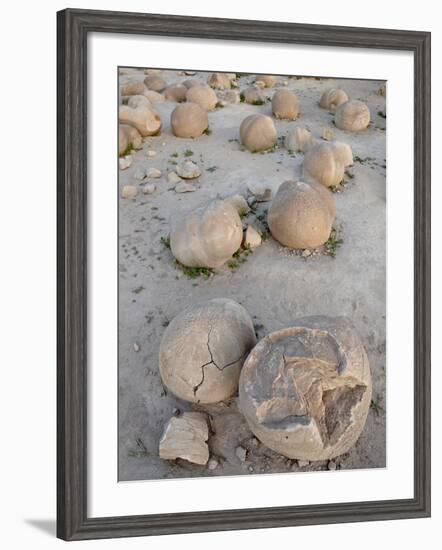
(305, 391)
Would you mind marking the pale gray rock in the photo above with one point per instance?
(125, 162)
(153, 173)
(332, 98)
(149, 188)
(252, 239)
(241, 453)
(186, 437)
(353, 116)
(325, 163)
(129, 192)
(188, 170)
(298, 139)
(173, 177)
(184, 187)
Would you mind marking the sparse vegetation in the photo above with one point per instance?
(194, 272)
(128, 150)
(212, 168)
(382, 114)
(188, 153)
(333, 243)
(376, 407)
(239, 257)
(207, 131)
(166, 241)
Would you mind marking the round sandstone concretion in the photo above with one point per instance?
(135, 101)
(145, 119)
(268, 80)
(207, 236)
(220, 81)
(175, 93)
(191, 82)
(203, 96)
(285, 105)
(133, 88)
(155, 83)
(254, 96)
(332, 98)
(258, 133)
(305, 391)
(132, 137)
(326, 163)
(189, 120)
(203, 349)
(353, 116)
(302, 214)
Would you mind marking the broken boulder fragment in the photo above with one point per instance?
(305, 390)
(203, 349)
(325, 163)
(332, 98)
(186, 437)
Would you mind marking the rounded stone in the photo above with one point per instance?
(305, 391)
(268, 80)
(189, 120)
(132, 135)
(203, 96)
(203, 349)
(285, 105)
(332, 98)
(254, 96)
(191, 82)
(258, 133)
(136, 101)
(133, 88)
(352, 116)
(302, 214)
(326, 163)
(155, 83)
(208, 236)
(298, 139)
(175, 93)
(220, 81)
(145, 119)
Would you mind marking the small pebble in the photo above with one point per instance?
(212, 464)
(173, 177)
(140, 174)
(150, 153)
(153, 173)
(251, 469)
(303, 463)
(125, 162)
(129, 192)
(241, 453)
(331, 465)
(136, 347)
(149, 188)
(252, 238)
(176, 411)
(184, 187)
(188, 170)
(306, 253)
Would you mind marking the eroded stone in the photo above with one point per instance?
(186, 437)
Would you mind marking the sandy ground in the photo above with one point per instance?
(275, 285)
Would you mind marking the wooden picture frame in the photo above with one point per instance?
(73, 29)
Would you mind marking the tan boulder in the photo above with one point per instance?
(133, 88)
(254, 96)
(191, 82)
(132, 135)
(135, 101)
(154, 97)
(305, 391)
(258, 133)
(219, 81)
(299, 140)
(186, 437)
(302, 214)
(203, 349)
(207, 236)
(332, 98)
(155, 83)
(268, 80)
(326, 163)
(123, 142)
(352, 116)
(285, 104)
(175, 93)
(145, 119)
(203, 96)
(189, 120)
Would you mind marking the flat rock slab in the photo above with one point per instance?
(186, 437)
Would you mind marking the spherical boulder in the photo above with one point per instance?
(285, 104)
(305, 391)
(258, 133)
(154, 97)
(254, 96)
(155, 83)
(219, 81)
(133, 88)
(145, 119)
(191, 82)
(129, 135)
(302, 214)
(135, 101)
(207, 236)
(203, 349)
(353, 116)
(299, 140)
(189, 120)
(204, 96)
(175, 93)
(326, 163)
(268, 80)
(332, 98)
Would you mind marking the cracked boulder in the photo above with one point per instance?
(332, 98)
(128, 136)
(155, 83)
(302, 214)
(186, 437)
(189, 120)
(352, 116)
(208, 236)
(326, 163)
(285, 105)
(220, 81)
(299, 140)
(305, 391)
(254, 96)
(258, 133)
(203, 349)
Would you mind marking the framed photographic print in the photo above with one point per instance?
(243, 274)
